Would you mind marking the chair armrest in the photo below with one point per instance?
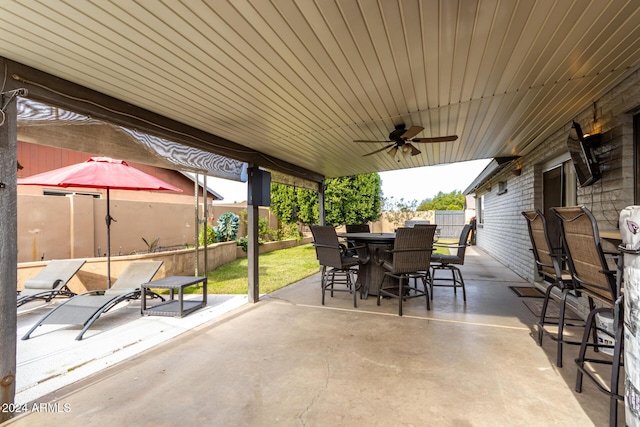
(411, 250)
(451, 246)
(321, 245)
(376, 255)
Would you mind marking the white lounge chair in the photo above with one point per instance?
(51, 281)
(84, 309)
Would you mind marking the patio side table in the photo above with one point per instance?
(173, 307)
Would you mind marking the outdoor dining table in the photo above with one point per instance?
(370, 274)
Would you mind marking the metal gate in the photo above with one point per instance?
(450, 223)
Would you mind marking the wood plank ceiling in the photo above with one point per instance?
(300, 80)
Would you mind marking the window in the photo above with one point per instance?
(64, 193)
(502, 188)
(480, 209)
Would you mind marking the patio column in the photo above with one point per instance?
(8, 250)
(196, 190)
(321, 206)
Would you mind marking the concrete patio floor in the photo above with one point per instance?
(290, 361)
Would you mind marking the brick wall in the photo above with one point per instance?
(503, 233)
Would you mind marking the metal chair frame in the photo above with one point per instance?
(592, 275)
(338, 264)
(411, 256)
(549, 261)
(450, 262)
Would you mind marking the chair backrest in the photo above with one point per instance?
(586, 258)
(463, 242)
(134, 275)
(55, 274)
(358, 228)
(412, 249)
(540, 243)
(327, 246)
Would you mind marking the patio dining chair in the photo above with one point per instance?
(450, 262)
(355, 228)
(339, 265)
(84, 309)
(51, 281)
(548, 262)
(593, 276)
(410, 258)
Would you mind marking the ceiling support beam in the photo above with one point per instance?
(55, 91)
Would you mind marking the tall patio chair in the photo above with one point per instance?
(410, 258)
(338, 264)
(593, 276)
(84, 309)
(357, 228)
(549, 261)
(51, 281)
(450, 262)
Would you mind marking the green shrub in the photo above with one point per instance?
(227, 228)
(211, 236)
(243, 242)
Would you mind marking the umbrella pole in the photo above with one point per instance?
(108, 220)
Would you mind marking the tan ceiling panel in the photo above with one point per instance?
(300, 80)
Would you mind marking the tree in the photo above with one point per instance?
(349, 200)
(453, 201)
(353, 199)
(283, 203)
(397, 212)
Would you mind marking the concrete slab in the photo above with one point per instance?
(288, 360)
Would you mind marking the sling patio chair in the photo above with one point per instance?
(84, 309)
(51, 281)
(338, 264)
(410, 258)
(549, 261)
(450, 262)
(594, 277)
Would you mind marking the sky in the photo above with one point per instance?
(408, 184)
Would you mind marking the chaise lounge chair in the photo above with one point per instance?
(84, 309)
(51, 281)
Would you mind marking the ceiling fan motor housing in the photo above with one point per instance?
(396, 135)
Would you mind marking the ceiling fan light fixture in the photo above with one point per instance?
(392, 152)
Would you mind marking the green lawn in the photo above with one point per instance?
(277, 270)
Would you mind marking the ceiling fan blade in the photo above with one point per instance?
(364, 140)
(377, 151)
(436, 139)
(412, 131)
(414, 150)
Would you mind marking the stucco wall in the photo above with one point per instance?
(73, 226)
(503, 232)
(93, 274)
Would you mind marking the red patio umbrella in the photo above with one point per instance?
(100, 172)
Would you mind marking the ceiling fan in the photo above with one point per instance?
(401, 139)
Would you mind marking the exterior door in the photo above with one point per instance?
(559, 189)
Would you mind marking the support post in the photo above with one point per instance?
(8, 253)
(253, 252)
(205, 214)
(321, 207)
(197, 225)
